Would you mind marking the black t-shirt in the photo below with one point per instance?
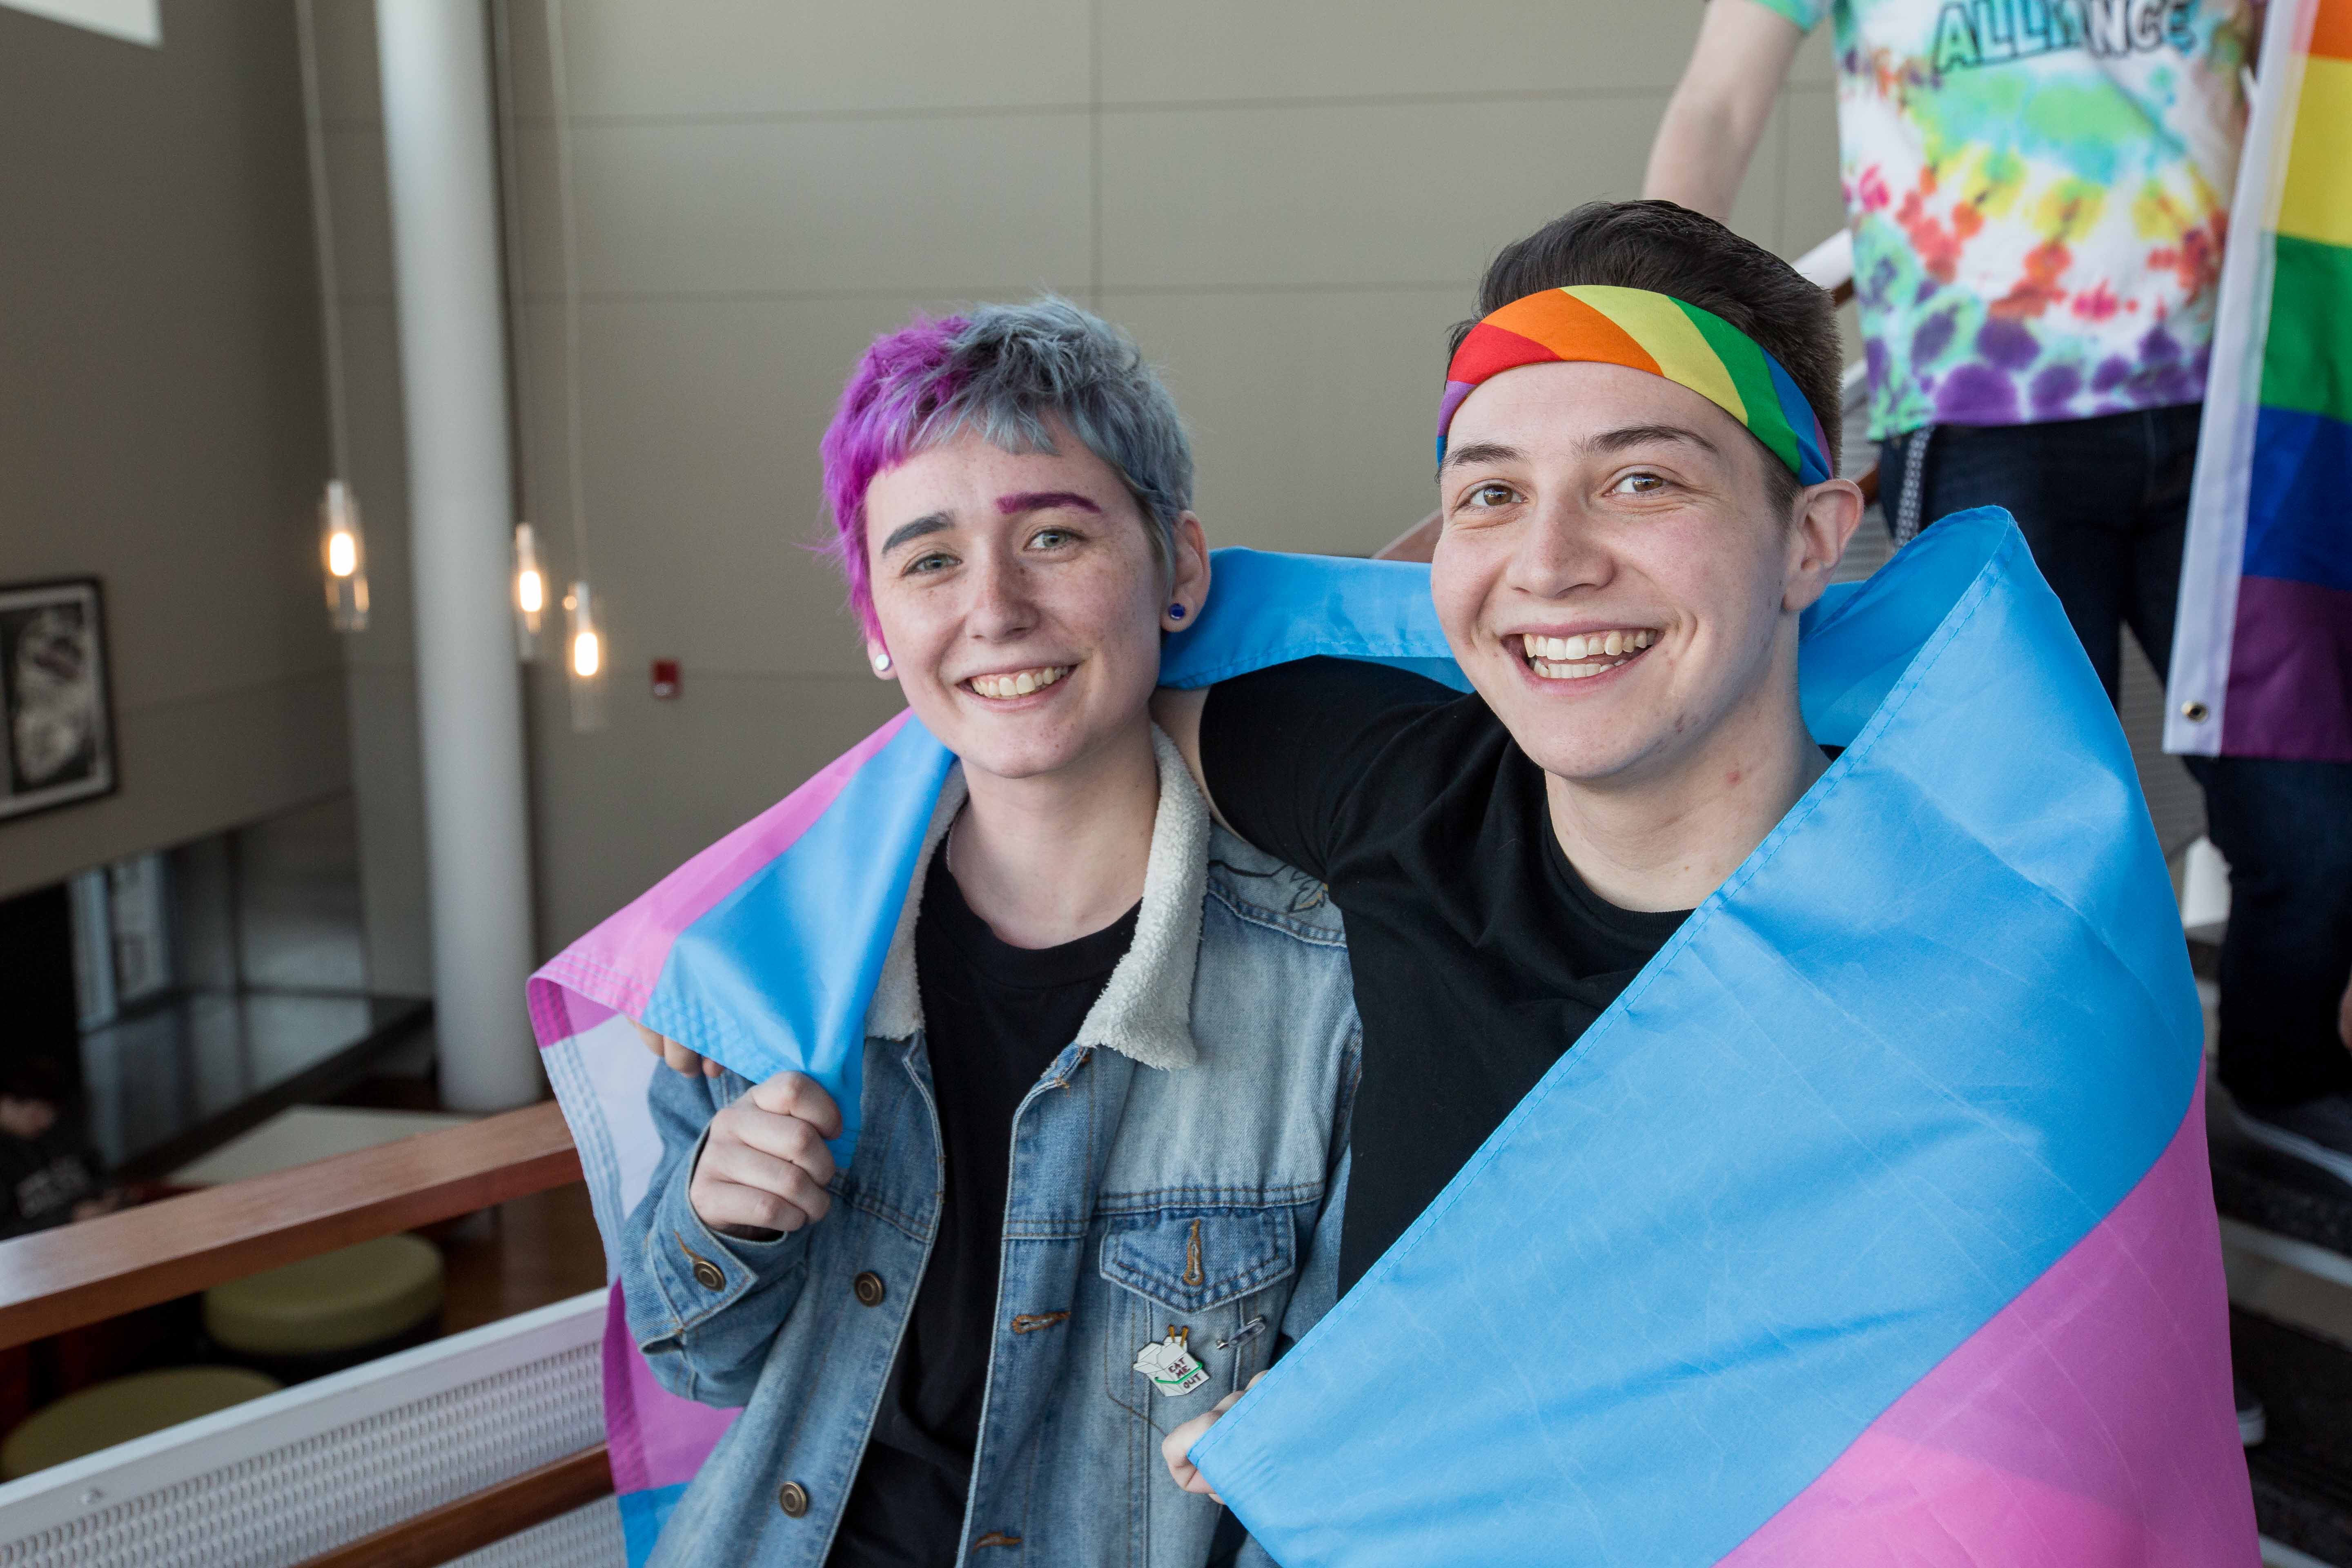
(1479, 954)
(994, 1017)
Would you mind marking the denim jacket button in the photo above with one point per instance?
(793, 1499)
(868, 1289)
(706, 1275)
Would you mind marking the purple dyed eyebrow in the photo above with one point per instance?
(1041, 501)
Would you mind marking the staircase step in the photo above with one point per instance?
(2282, 1195)
(2279, 1554)
(2302, 1471)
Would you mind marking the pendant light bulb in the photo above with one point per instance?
(342, 549)
(587, 661)
(530, 592)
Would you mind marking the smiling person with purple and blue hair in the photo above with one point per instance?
(1108, 1067)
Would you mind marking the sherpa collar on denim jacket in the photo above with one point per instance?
(1144, 1009)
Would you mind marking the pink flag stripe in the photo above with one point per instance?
(617, 965)
(653, 1438)
(2087, 1425)
(557, 1013)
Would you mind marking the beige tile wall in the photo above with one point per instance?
(162, 427)
(1287, 204)
(380, 663)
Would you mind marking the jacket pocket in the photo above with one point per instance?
(1191, 1261)
(1219, 1278)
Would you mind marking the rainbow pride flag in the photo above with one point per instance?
(2262, 663)
(1871, 1225)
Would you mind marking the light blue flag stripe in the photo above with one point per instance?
(1268, 609)
(1912, 1051)
(778, 975)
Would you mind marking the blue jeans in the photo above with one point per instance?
(2103, 503)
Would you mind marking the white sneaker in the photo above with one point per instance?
(2252, 1423)
(2317, 1132)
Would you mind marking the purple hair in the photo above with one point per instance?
(1001, 371)
(893, 394)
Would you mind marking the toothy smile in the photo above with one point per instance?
(1017, 682)
(1582, 658)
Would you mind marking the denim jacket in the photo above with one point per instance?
(1178, 1167)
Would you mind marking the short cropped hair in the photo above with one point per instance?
(1000, 370)
(1670, 250)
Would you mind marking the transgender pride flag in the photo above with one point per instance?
(1870, 1226)
(2262, 663)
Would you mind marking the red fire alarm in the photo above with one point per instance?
(665, 678)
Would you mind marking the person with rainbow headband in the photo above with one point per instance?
(1637, 505)
(1779, 1134)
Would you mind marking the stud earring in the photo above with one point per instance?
(881, 662)
(1175, 612)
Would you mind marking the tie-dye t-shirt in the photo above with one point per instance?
(2038, 191)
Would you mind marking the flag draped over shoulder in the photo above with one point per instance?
(1870, 1226)
(2261, 662)
(762, 952)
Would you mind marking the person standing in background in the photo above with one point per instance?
(2039, 193)
(2259, 696)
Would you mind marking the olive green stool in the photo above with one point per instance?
(123, 1408)
(330, 1311)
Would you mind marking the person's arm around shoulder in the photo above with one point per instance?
(1718, 112)
(1178, 714)
(1284, 751)
(715, 1255)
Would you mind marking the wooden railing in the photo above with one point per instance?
(54, 1280)
(57, 1279)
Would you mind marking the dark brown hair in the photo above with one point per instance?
(1670, 250)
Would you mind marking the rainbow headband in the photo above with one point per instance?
(1599, 324)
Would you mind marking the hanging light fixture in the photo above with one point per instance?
(530, 592)
(342, 547)
(530, 595)
(585, 660)
(587, 657)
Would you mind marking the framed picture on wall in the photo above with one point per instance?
(59, 742)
